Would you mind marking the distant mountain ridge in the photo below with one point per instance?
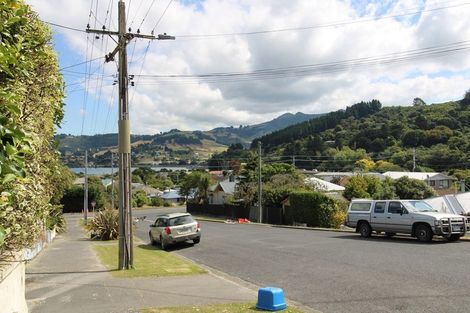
(177, 141)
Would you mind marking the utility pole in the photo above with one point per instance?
(126, 258)
(414, 159)
(293, 160)
(260, 189)
(85, 196)
(112, 180)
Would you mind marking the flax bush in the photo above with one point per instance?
(105, 225)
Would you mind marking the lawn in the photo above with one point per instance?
(216, 308)
(148, 261)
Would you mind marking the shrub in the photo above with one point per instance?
(156, 201)
(338, 217)
(166, 204)
(139, 199)
(55, 219)
(311, 207)
(105, 225)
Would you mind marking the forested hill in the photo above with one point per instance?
(318, 125)
(440, 133)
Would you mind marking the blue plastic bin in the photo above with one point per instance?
(271, 299)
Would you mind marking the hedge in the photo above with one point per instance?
(313, 208)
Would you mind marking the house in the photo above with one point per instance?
(149, 191)
(172, 196)
(79, 181)
(338, 176)
(219, 192)
(454, 203)
(323, 185)
(435, 180)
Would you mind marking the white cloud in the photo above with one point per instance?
(189, 106)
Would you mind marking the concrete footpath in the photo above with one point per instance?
(68, 277)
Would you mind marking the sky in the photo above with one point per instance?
(243, 62)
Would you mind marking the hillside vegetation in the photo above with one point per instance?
(387, 136)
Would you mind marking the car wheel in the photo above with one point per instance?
(365, 230)
(197, 240)
(453, 237)
(152, 241)
(390, 234)
(423, 233)
(163, 243)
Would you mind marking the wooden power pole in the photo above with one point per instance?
(126, 258)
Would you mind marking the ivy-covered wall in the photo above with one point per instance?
(32, 179)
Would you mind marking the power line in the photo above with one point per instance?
(312, 69)
(163, 14)
(145, 16)
(332, 24)
(63, 26)
(81, 63)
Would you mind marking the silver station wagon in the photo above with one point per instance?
(173, 228)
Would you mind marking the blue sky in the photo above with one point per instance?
(368, 29)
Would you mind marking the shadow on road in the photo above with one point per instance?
(70, 272)
(398, 239)
(175, 247)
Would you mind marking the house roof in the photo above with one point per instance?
(172, 194)
(418, 175)
(79, 181)
(228, 186)
(347, 174)
(323, 185)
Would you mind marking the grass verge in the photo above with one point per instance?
(216, 308)
(148, 261)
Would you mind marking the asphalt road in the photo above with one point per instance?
(337, 272)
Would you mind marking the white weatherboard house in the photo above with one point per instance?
(435, 180)
(219, 192)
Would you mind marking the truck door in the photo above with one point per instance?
(398, 219)
(378, 220)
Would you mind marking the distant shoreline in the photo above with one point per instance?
(109, 170)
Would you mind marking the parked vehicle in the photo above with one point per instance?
(414, 217)
(172, 228)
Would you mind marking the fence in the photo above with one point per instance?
(270, 215)
(223, 210)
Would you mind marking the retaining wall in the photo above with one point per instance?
(12, 287)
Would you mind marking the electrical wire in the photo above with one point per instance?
(312, 69)
(326, 25)
(146, 14)
(161, 16)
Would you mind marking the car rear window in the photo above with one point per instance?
(180, 220)
(360, 206)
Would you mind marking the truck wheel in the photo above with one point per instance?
(365, 230)
(423, 233)
(390, 234)
(453, 237)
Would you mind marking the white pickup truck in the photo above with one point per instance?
(414, 217)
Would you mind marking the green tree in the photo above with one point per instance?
(196, 183)
(418, 102)
(139, 199)
(408, 188)
(97, 192)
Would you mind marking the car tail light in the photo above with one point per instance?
(167, 230)
(198, 226)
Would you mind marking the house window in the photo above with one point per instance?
(432, 183)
